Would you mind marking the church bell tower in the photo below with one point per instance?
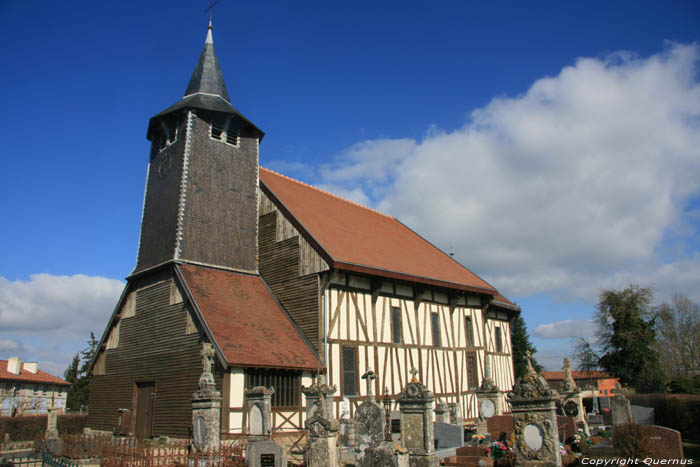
(200, 203)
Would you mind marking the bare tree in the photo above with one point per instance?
(678, 334)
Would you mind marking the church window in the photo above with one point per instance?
(349, 373)
(435, 325)
(286, 384)
(471, 373)
(499, 340)
(469, 331)
(396, 326)
(220, 130)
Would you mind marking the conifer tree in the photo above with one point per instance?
(78, 375)
(521, 345)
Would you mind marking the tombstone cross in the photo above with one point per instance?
(414, 372)
(369, 376)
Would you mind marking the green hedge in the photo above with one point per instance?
(32, 427)
(678, 411)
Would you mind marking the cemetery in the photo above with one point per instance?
(538, 427)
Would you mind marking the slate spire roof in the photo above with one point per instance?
(207, 77)
(206, 89)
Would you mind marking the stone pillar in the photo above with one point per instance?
(323, 427)
(455, 413)
(52, 423)
(259, 411)
(488, 399)
(571, 400)
(415, 404)
(620, 408)
(442, 413)
(206, 406)
(535, 419)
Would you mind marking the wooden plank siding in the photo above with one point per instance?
(284, 257)
(153, 345)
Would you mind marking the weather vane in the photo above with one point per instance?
(210, 8)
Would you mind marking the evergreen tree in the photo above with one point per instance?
(626, 337)
(78, 375)
(521, 345)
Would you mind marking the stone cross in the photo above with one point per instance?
(370, 377)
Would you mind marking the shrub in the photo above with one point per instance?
(677, 411)
(23, 428)
(71, 424)
(630, 441)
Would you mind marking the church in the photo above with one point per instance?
(285, 281)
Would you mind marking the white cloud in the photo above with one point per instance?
(577, 185)
(49, 318)
(566, 328)
(75, 304)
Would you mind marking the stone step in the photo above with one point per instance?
(468, 461)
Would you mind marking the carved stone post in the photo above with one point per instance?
(488, 398)
(455, 413)
(318, 393)
(52, 423)
(259, 411)
(415, 404)
(322, 426)
(206, 406)
(571, 400)
(442, 413)
(534, 415)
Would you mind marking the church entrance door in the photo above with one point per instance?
(145, 402)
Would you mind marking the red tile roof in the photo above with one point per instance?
(593, 374)
(247, 323)
(25, 376)
(356, 238)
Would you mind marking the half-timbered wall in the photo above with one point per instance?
(451, 368)
(150, 342)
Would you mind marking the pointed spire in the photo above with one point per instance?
(207, 77)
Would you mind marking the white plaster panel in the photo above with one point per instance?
(235, 422)
(236, 388)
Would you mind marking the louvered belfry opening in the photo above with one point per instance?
(349, 372)
(286, 384)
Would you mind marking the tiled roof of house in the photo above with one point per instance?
(248, 324)
(355, 238)
(593, 374)
(25, 376)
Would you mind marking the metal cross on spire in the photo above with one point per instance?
(210, 8)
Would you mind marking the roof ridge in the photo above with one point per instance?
(355, 203)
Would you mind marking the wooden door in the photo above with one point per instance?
(145, 402)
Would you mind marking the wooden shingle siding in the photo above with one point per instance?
(280, 267)
(153, 346)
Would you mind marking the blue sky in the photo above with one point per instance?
(553, 146)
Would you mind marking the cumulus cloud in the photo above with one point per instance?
(581, 183)
(74, 304)
(565, 328)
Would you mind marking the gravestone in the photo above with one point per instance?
(386, 454)
(369, 420)
(567, 427)
(265, 453)
(206, 406)
(317, 392)
(534, 416)
(488, 399)
(455, 413)
(571, 402)
(501, 424)
(323, 427)
(666, 443)
(642, 415)
(442, 412)
(621, 410)
(448, 436)
(417, 436)
(259, 411)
